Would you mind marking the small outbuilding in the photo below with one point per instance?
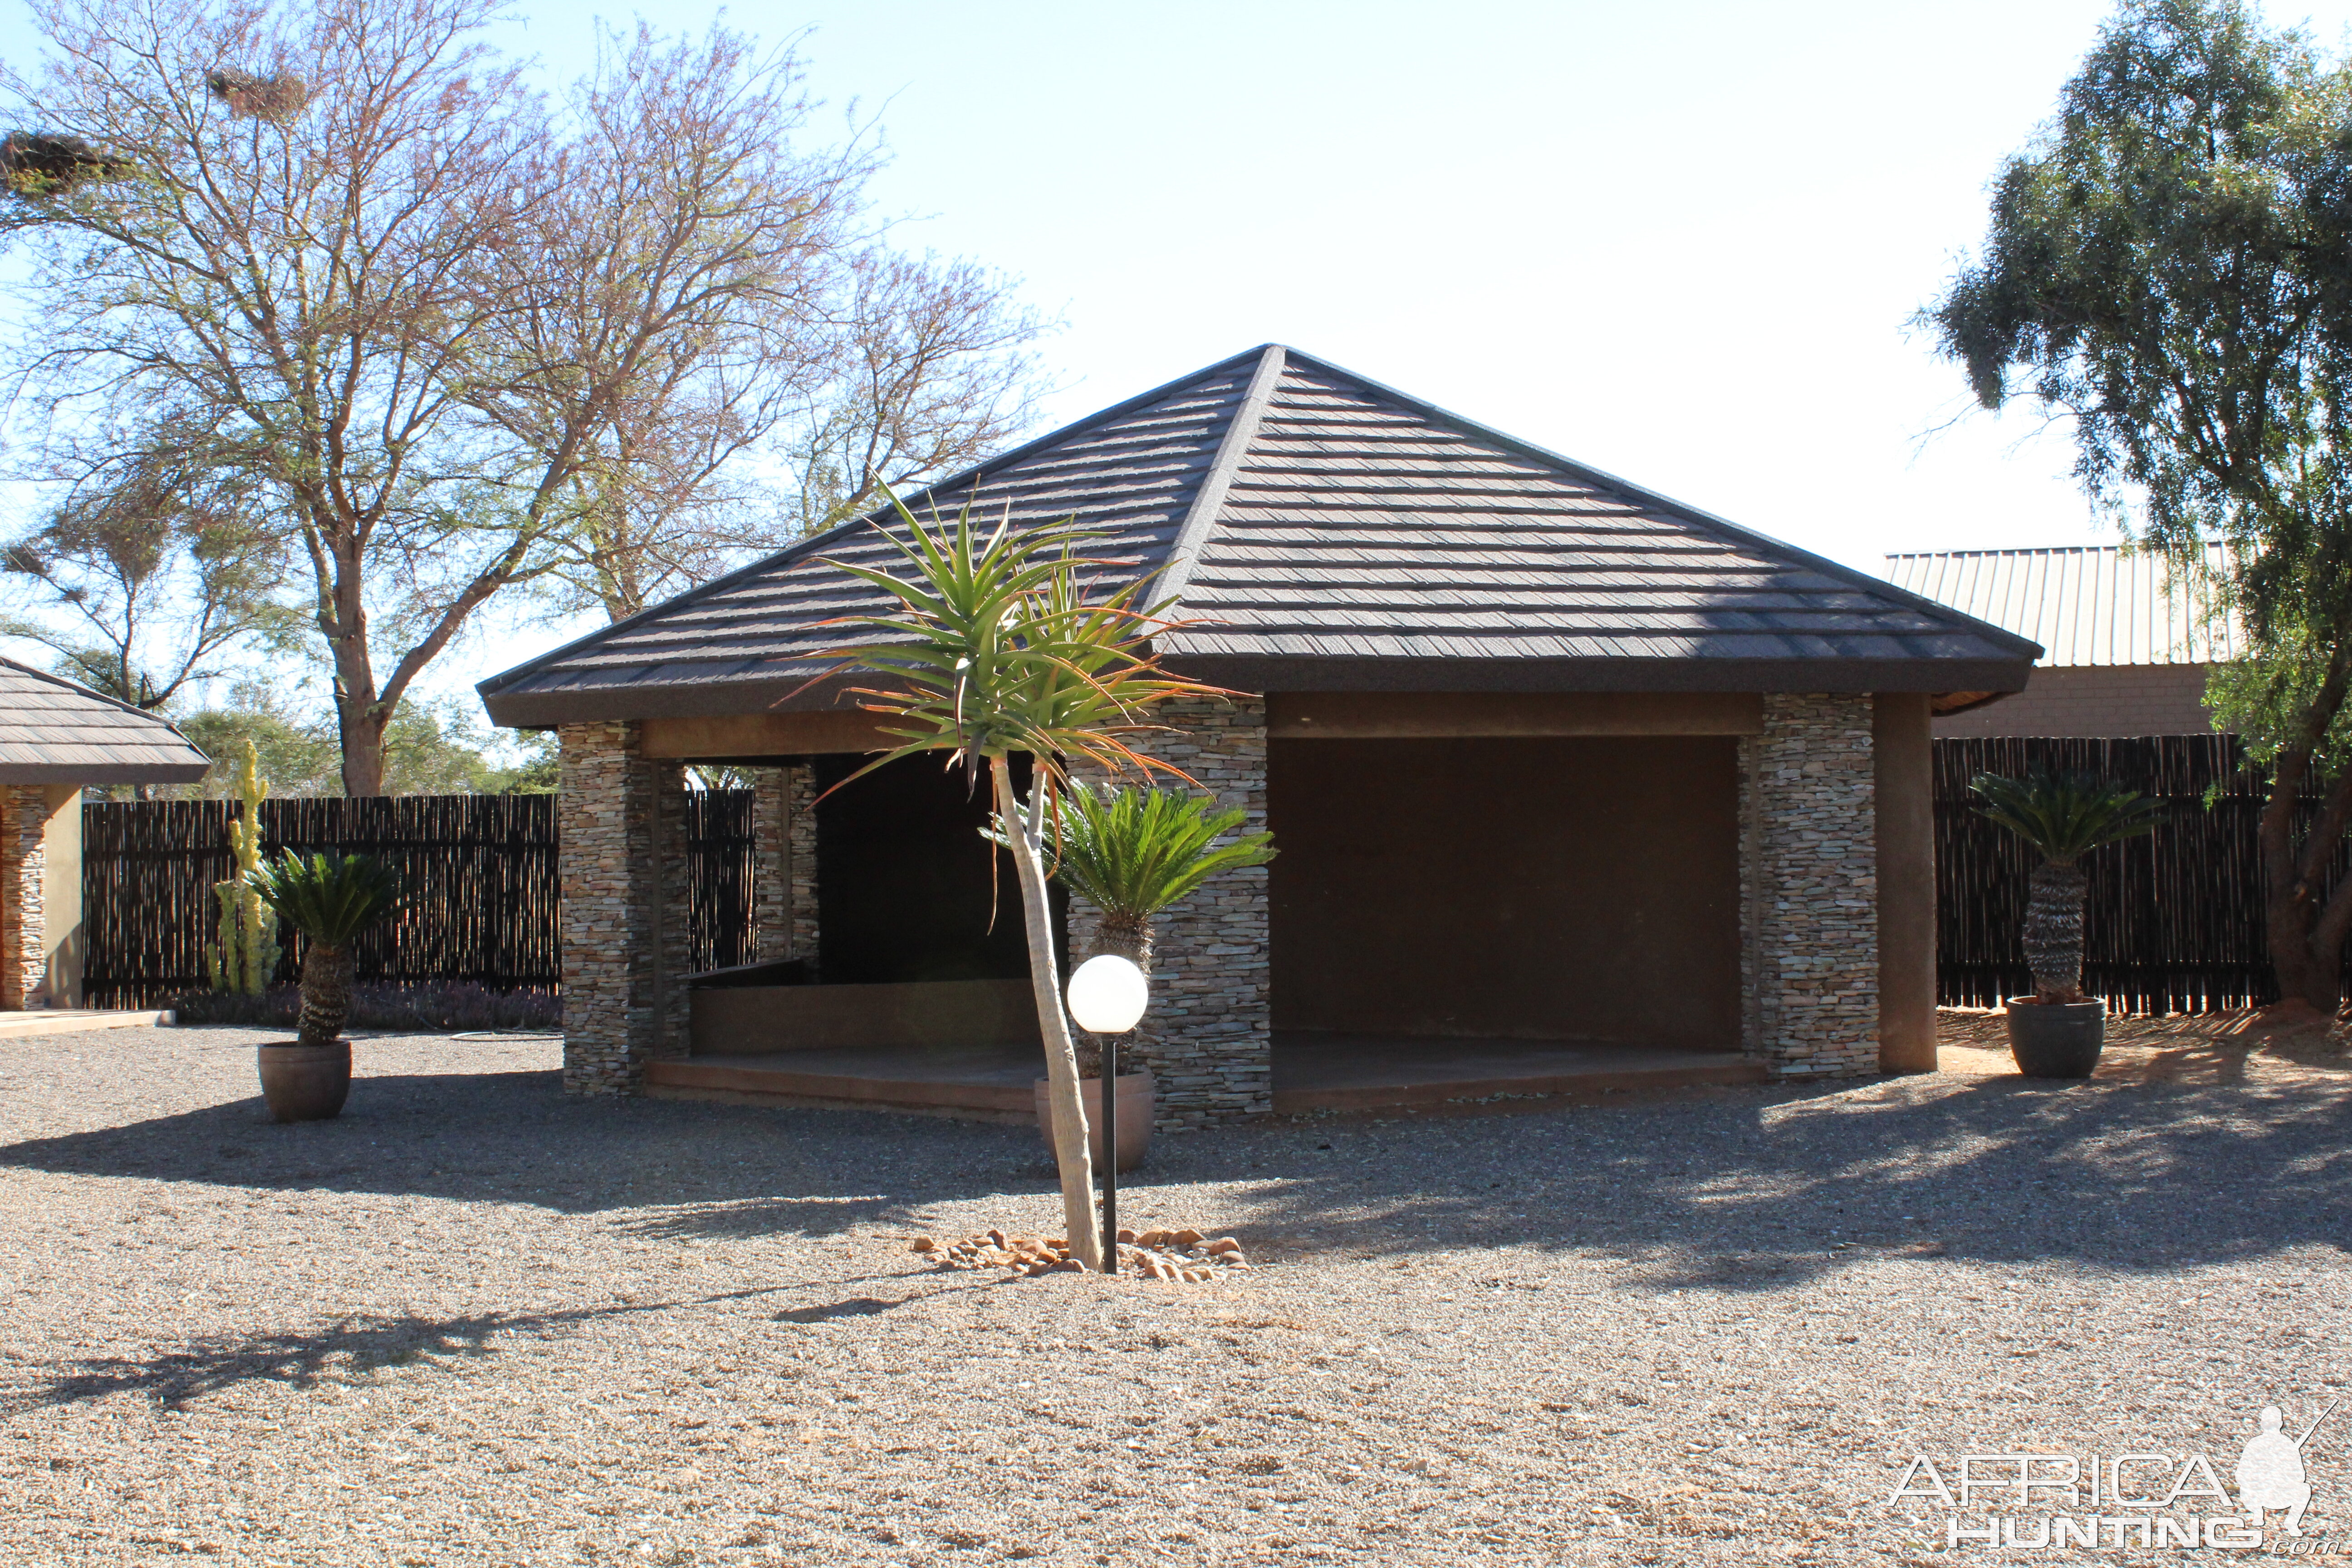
(56, 737)
(1573, 785)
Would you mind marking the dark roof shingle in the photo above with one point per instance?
(55, 732)
(1321, 531)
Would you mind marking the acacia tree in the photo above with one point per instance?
(158, 565)
(2170, 266)
(453, 337)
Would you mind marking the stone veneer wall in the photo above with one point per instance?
(622, 867)
(771, 865)
(24, 958)
(1810, 925)
(1211, 1030)
(799, 810)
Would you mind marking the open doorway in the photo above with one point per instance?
(906, 889)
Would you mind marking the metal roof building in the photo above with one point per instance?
(2127, 637)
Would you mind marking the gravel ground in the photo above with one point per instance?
(475, 1322)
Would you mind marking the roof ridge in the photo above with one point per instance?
(491, 685)
(1865, 581)
(1209, 501)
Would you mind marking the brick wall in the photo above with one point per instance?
(2095, 701)
(1808, 978)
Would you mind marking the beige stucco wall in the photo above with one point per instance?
(2094, 701)
(63, 942)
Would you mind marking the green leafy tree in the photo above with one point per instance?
(994, 648)
(331, 900)
(2064, 817)
(2170, 266)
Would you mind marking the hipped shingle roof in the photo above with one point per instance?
(1324, 532)
(53, 730)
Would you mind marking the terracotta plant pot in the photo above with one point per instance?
(2056, 1039)
(308, 1083)
(1135, 1106)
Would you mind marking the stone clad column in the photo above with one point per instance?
(800, 870)
(1901, 743)
(771, 863)
(622, 867)
(1212, 1012)
(24, 948)
(1809, 873)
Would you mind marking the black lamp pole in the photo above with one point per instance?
(1110, 1154)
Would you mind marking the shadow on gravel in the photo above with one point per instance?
(347, 1351)
(518, 1138)
(1738, 1189)
(1758, 1190)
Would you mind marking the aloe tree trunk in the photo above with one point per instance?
(1025, 831)
(2054, 930)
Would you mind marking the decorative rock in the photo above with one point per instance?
(925, 1244)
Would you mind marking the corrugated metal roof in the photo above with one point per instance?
(2085, 604)
(1330, 534)
(53, 730)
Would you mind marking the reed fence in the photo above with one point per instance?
(482, 901)
(2173, 922)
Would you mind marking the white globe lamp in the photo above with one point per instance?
(1107, 994)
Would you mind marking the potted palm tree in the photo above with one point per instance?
(1132, 853)
(2057, 1032)
(331, 900)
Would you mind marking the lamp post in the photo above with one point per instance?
(1107, 997)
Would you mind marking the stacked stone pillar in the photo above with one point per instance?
(1211, 1042)
(784, 863)
(24, 951)
(622, 866)
(1809, 917)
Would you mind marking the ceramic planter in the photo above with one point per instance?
(308, 1083)
(1135, 1109)
(2055, 1039)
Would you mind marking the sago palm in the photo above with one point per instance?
(2063, 816)
(994, 647)
(1133, 852)
(331, 899)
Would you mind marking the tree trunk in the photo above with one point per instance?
(2304, 937)
(2054, 930)
(1070, 1149)
(326, 995)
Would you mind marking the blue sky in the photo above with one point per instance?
(1680, 242)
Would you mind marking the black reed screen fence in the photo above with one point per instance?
(482, 902)
(2174, 921)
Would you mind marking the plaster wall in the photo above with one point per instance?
(2092, 702)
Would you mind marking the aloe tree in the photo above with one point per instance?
(2064, 817)
(995, 646)
(331, 899)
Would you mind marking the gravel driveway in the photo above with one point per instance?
(476, 1322)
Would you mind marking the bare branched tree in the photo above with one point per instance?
(933, 378)
(160, 565)
(464, 346)
(283, 245)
